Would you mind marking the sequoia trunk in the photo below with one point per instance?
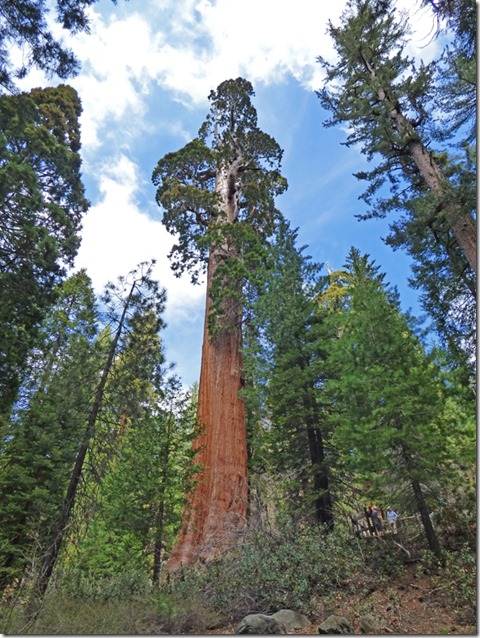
(217, 508)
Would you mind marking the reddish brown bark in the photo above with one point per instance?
(218, 505)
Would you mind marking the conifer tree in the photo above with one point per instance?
(378, 90)
(285, 370)
(42, 202)
(28, 24)
(38, 452)
(388, 396)
(137, 468)
(217, 194)
(390, 106)
(136, 293)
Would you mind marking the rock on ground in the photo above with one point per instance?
(335, 625)
(291, 619)
(260, 624)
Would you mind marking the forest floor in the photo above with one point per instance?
(413, 605)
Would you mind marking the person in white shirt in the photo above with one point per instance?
(392, 519)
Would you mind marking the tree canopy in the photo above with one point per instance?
(390, 105)
(25, 24)
(42, 199)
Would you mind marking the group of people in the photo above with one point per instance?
(375, 514)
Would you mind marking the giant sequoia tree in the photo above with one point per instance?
(217, 194)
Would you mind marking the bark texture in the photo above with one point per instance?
(461, 223)
(217, 508)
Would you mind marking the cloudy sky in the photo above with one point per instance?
(147, 69)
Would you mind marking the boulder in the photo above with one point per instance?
(260, 624)
(368, 624)
(291, 619)
(335, 625)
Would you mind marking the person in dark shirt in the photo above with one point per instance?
(377, 520)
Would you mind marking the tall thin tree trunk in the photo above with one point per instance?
(158, 545)
(217, 508)
(461, 223)
(422, 506)
(323, 499)
(55, 544)
(160, 515)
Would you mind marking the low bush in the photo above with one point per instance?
(270, 572)
(456, 575)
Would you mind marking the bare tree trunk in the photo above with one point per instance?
(158, 545)
(323, 499)
(422, 506)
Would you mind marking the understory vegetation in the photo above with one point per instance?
(298, 568)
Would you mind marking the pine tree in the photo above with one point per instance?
(388, 104)
(217, 194)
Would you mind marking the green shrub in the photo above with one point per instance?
(272, 571)
(456, 576)
(86, 585)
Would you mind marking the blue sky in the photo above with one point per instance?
(147, 69)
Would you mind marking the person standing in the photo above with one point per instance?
(377, 520)
(392, 517)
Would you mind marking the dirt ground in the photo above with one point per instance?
(411, 606)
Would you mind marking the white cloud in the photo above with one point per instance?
(189, 47)
(118, 58)
(117, 236)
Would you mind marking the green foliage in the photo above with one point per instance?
(388, 397)
(42, 440)
(370, 33)
(108, 565)
(270, 572)
(390, 107)
(42, 201)
(217, 194)
(285, 368)
(456, 575)
(28, 25)
(145, 475)
(447, 287)
(457, 74)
